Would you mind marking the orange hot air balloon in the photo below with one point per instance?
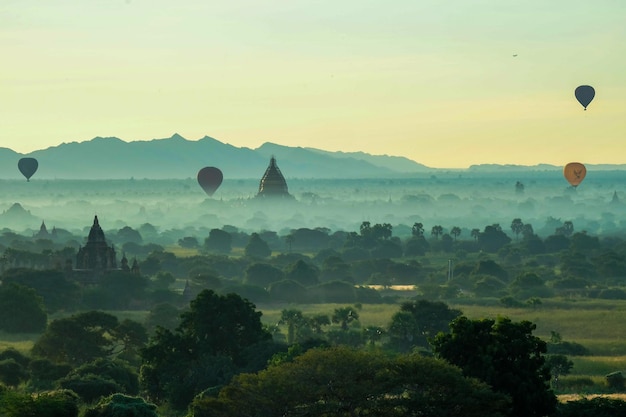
(574, 173)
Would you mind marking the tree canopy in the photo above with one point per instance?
(506, 356)
(345, 382)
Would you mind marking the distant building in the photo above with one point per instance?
(273, 183)
(96, 254)
(615, 199)
(43, 232)
(97, 258)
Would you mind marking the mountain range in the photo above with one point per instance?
(177, 157)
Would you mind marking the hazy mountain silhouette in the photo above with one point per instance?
(177, 157)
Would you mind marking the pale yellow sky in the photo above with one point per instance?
(434, 81)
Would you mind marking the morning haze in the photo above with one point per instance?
(412, 208)
(132, 183)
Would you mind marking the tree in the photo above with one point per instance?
(58, 292)
(558, 365)
(455, 231)
(128, 234)
(44, 373)
(116, 290)
(188, 242)
(101, 377)
(205, 350)
(218, 241)
(382, 231)
(59, 403)
(417, 322)
(257, 247)
(294, 320)
(528, 231)
(344, 316)
(334, 268)
(12, 372)
(164, 315)
(417, 230)
(416, 246)
(21, 310)
(436, 231)
(492, 238)
(289, 291)
(79, 339)
(517, 227)
(262, 274)
(567, 229)
(344, 382)
(506, 356)
(303, 273)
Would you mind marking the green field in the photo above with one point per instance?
(598, 325)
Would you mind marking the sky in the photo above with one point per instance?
(448, 84)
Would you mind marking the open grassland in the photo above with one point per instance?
(598, 325)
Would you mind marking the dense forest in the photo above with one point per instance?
(182, 333)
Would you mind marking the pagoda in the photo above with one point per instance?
(273, 183)
(96, 254)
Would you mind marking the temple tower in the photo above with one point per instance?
(273, 183)
(96, 254)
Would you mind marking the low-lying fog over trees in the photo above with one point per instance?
(466, 200)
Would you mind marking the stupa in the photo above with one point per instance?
(273, 183)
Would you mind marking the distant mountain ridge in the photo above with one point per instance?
(177, 157)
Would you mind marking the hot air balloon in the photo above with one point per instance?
(27, 166)
(584, 94)
(574, 173)
(210, 179)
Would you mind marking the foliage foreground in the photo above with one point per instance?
(346, 382)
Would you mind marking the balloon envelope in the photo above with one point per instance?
(210, 179)
(584, 94)
(27, 166)
(574, 173)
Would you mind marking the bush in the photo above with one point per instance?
(616, 381)
(596, 407)
(118, 405)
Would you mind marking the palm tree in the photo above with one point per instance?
(436, 231)
(293, 319)
(417, 230)
(316, 322)
(455, 231)
(344, 315)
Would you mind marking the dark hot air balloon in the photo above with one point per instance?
(584, 94)
(28, 166)
(574, 173)
(210, 179)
